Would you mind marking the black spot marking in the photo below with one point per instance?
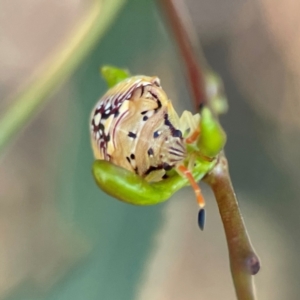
(131, 134)
(150, 151)
(112, 109)
(152, 168)
(142, 90)
(155, 134)
(128, 159)
(99, 127)
(144, 112)
(167, 122)
(132, 156)
(145, 118)
(174, 132)
(116, 114)
(158, 105)
(201, 218)
(154, 95)
(177, 133)
(106, 114)
(165, 176)
(167, 167)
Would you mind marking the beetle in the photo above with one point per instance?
(144, 152)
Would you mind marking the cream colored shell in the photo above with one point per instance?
(135, 126)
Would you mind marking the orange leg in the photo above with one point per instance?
(191, 139)
(187, 173)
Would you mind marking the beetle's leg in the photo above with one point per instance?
(190, 126)
(187, 173)
(194, 137)
(198, 154)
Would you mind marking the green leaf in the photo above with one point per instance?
(113, 75)
(213, 137)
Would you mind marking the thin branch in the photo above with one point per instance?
(243, 261)
(29, 101)
(186, 39)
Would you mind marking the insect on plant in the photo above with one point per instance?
(144, 151)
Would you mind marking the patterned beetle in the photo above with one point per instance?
(135, 126)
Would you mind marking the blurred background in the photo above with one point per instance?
(62, 238)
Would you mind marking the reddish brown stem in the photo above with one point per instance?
(243, 260)
(186, 39)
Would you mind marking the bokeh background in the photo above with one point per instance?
(62, 238)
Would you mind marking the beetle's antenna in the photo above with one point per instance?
(187, 173)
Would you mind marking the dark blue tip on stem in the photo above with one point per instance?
(201, 218)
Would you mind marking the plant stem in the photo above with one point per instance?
(29, 101)
(243, 261)
(186, 39)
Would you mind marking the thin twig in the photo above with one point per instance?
(243, 261)
(29, 101)
(186, 39)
